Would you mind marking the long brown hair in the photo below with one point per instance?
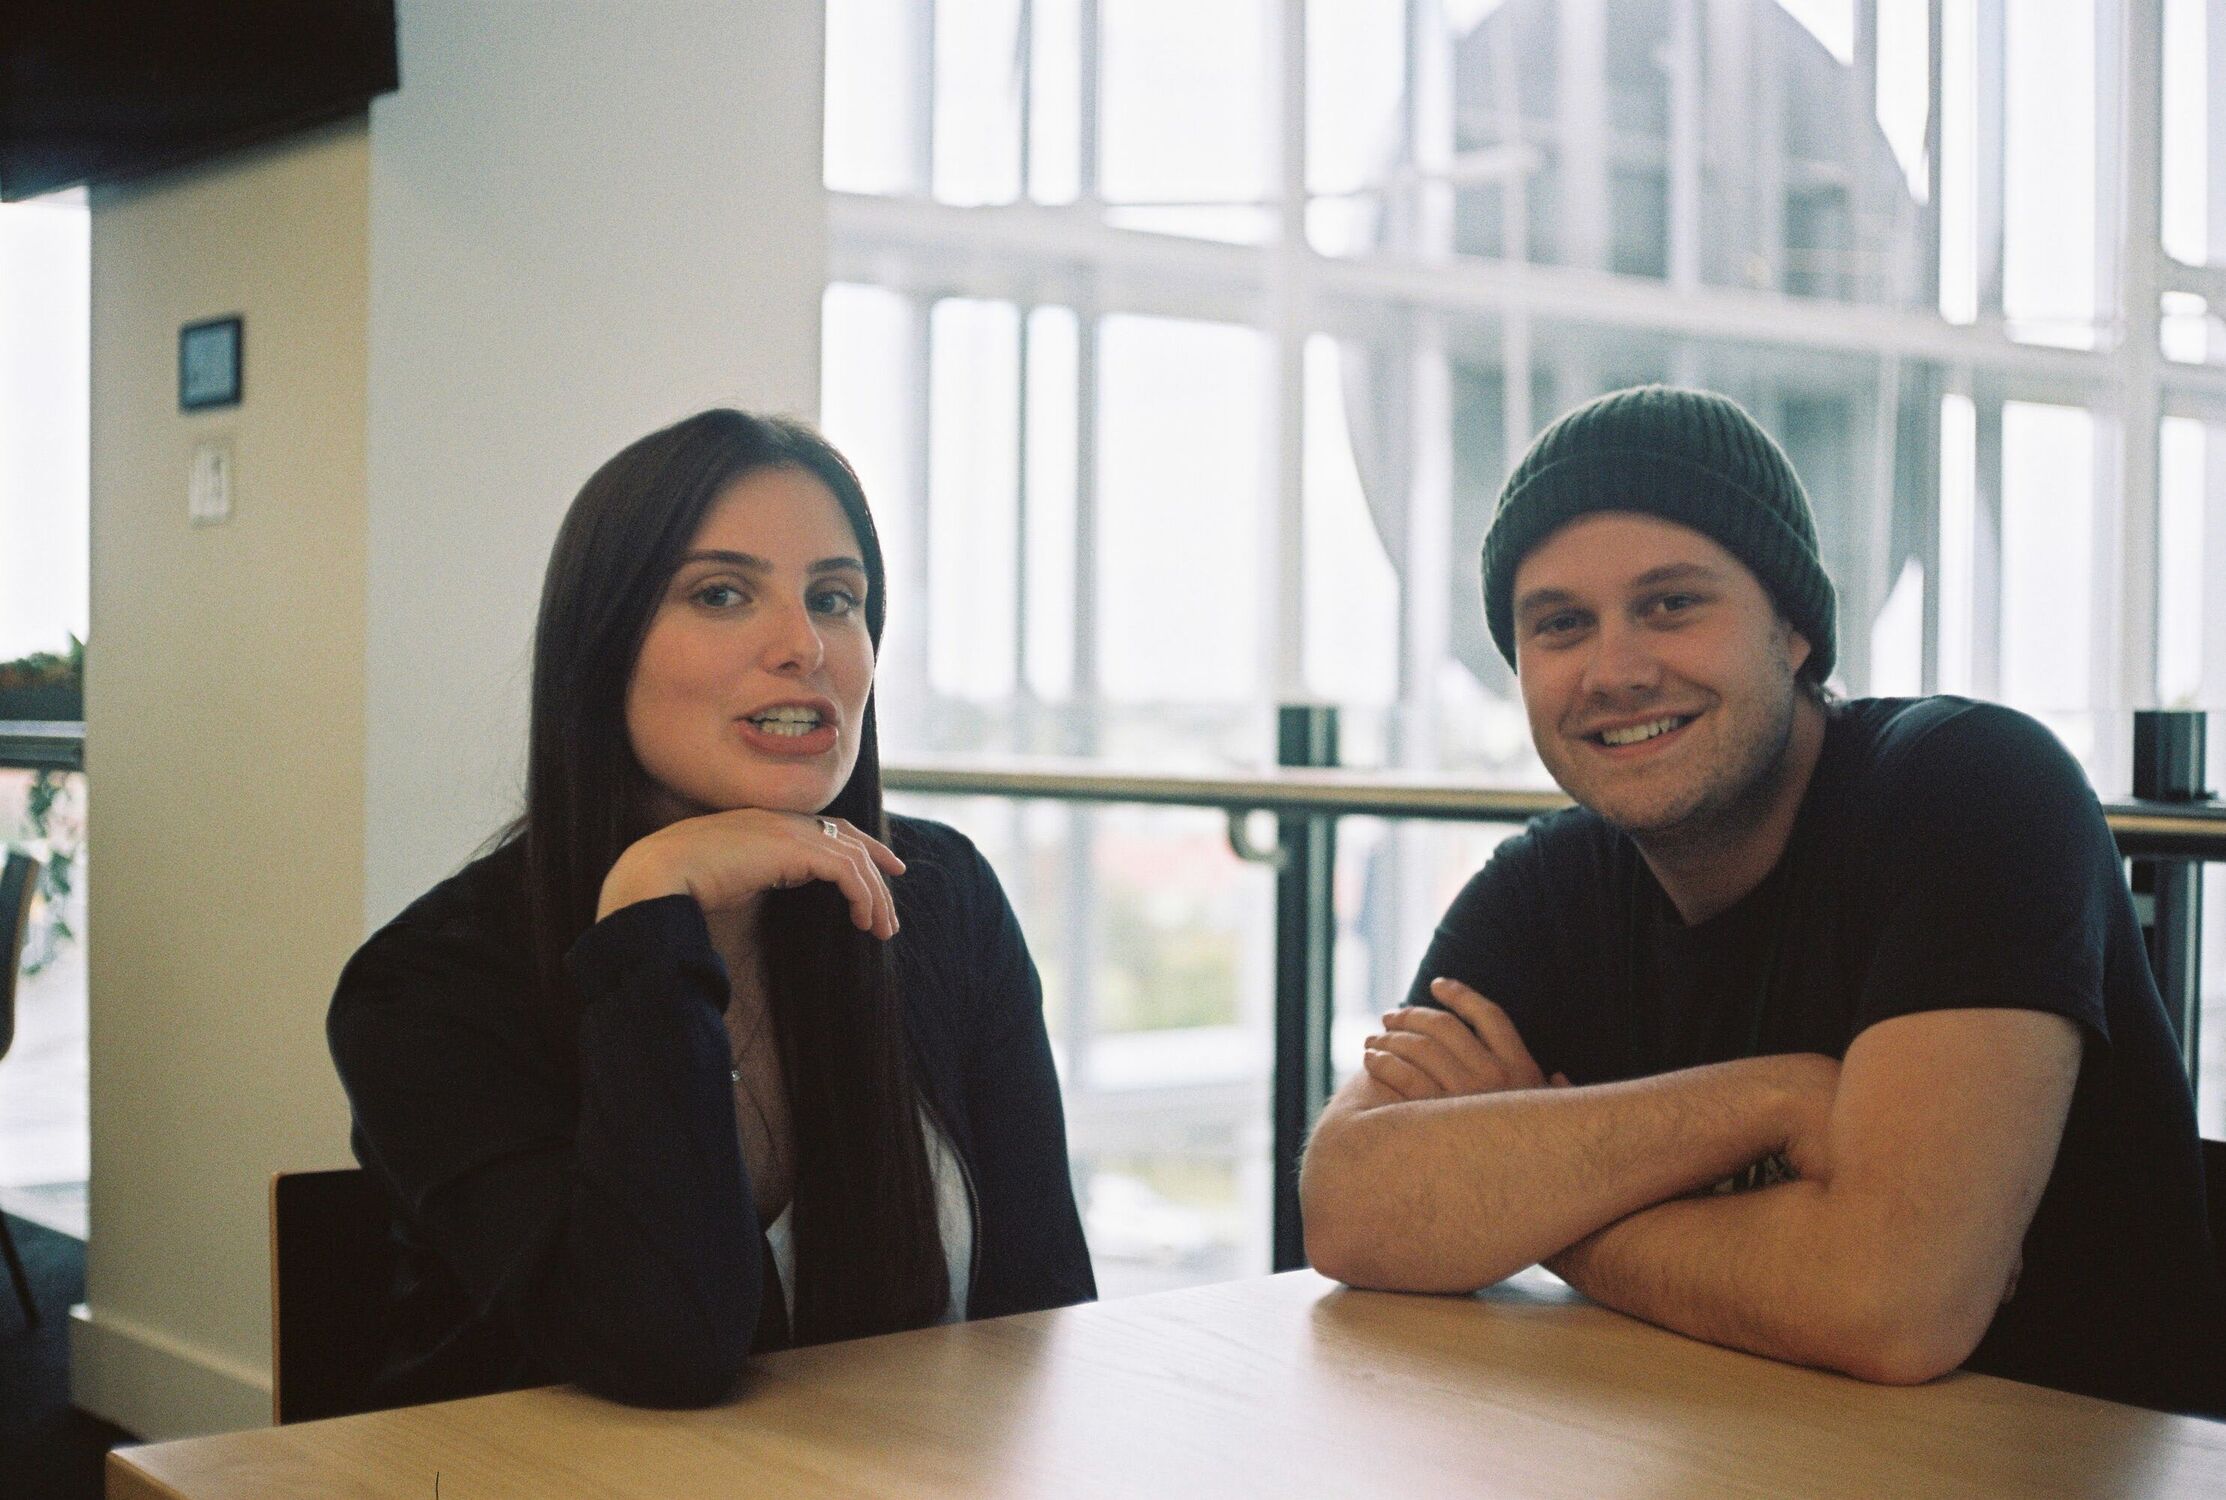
(868, 1259)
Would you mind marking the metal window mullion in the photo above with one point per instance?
(1027, 712)
(1925, 484)
(2113, 504)
(2168, 756)
(1769, 158)
(1859, 126)
(1081, 724)
(1024, 694)
(918, 416)
(2213, 680)
(2213, 690)
(1934, 220)
(1865, 594)
(2213, 642)
(1928, 217)
(1514, 138)
(1426, 236)
(1422, 226)
(919, 41)
(1305, 947)
(1987, 505)
(2140, 265)
(1089, 147)
(1305, 928)
(1517, 420)
(1581, 131)
(1726, 102)
(1081, 737)
(1686, 175)
(1285, 319)
(2214, 159)
(1989, 156)
(1024, 62)
(919, 44)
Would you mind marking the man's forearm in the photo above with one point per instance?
(1891, 1261)
(1787, 1271)
(1452, 1194)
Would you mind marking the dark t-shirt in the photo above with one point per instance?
(1947, 854)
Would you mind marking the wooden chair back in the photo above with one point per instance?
(2214, 1188)
(19, 882)
(332, 1263)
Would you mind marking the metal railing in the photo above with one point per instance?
(2168, 834)
(2144, 827)
(41, 745)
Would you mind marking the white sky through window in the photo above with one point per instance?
(45, 395)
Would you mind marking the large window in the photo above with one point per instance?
(45, 279)
(1184, 348)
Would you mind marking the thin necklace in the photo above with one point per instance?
(743, 1046)
(734, 1075)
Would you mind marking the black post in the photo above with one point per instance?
(2168, 767)
(1305, 931)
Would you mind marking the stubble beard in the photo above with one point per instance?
(1733, 798)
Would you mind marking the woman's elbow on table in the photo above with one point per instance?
(668, 1350)
(698, 1370)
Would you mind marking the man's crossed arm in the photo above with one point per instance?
(1451, 1162)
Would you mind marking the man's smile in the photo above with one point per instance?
(1637, 738)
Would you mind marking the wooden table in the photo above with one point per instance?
(1282, 1386)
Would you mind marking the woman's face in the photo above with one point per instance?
(752, 682)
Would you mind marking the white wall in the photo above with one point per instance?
(587, 220)
(577, 221)
(224, 746)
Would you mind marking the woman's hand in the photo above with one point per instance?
(728, 860)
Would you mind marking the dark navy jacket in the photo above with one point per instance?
(582, 1212)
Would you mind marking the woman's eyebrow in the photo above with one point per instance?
(742, 560)
(751, 563)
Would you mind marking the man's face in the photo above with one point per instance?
(1656, 672)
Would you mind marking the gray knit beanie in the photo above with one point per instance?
(1692, 457)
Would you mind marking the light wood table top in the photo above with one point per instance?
(1283, 1386)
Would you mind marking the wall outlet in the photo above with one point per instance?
(209, 491)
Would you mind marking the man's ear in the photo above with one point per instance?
(1797, 647)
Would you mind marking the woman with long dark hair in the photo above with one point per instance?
(709, 1055)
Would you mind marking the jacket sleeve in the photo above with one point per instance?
(611, 1228)
(1032, 1254)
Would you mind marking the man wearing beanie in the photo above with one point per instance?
(1818, 1029)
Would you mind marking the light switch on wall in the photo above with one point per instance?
(209, 492)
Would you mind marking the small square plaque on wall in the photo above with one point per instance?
(209, 363)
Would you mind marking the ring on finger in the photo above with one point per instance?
(827, 826)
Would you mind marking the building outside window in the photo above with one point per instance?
(1184, 346)
(45, 341)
